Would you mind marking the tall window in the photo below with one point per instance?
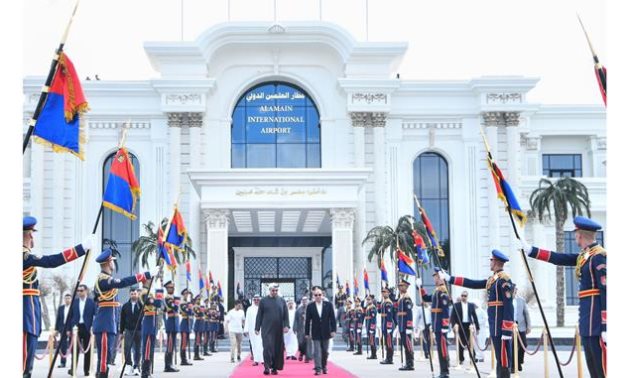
(571, 282)
(275, 125)
(431, 186)
(119, 228)
(562, 165)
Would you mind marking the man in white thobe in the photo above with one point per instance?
(290, 338)
(249, 329)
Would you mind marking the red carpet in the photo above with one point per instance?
(291, 369)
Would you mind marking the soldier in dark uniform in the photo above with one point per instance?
(440, 319)
(590, 270)
(106, 297)
(31, 305)
(171, 318)
(339, 302)
(213, 326)
(152, 304)
(347, 325)
(371, 325)
(358, 322)
(199, 325)
(404, 320)
(207, 328)
(389, 321)
(500, 309)
(187, 319)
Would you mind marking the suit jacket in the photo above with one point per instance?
(322, 326)
(88, 312)
(60, 319)
(522, 317)
(473, 317)
(128, 317)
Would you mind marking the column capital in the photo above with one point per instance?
(378, 119)
(216, 218)
(358, 119)
(597, 142)
(511, 119)
(178, 119)
(531, 143)
(342, 217)
(175, 119)
(491, 118)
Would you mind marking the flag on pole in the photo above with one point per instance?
(165, 250)
(347, 287)
(338, 285)
(188, 271)
(219, 290)
(600, 70)
(366, 282)
(122, 188)
(207, 286)
(405, 263)
(431, 233)
(356, 288)
(384, 273)
(177, 231)
(201, 281)
(61, 123)
(504, 191)
(211, 278)
(419, 244)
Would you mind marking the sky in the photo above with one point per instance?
(447, 39)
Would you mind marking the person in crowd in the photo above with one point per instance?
(320, 326)
(234, 323)
(469, 318)
(290, 338)
(62, 315)
(83, 312)
(257, 349)
(524, 326)
(272, 322)
(129, 327)
(305, 344)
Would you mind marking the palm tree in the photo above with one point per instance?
(558, 197)
(146, 246)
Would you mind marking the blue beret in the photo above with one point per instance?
(28, 223)
(499, 255)
(105, 256)
(436, 270)
(584, 223)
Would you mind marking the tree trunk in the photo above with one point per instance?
(560, 271)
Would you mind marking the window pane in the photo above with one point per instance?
(313, 155)
(238, 156)
(293, 129)
(237, 129)
(313, 126)
(259, 125)
(290, 156)
(260, 156)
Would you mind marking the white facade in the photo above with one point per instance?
(373, 127)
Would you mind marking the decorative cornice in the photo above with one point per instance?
(431, 125)
(118, 124)
(531, 143)
(369, 98)
(372, 119)
(504, 98)
(217, 218)
(180, 119)
(342, 218)
(358, 119)
(183, 99)
(378, 119)
(500, 118)
(511, 119)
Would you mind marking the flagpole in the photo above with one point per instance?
(526, 264)
(396, 259)
(437, 259)
(51, 73)
(416, 262)
(598, 65)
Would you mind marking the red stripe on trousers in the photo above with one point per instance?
(147, 352)
(443, 344)
(504, 354)
(103, 353)
(603, 346)
(184, 340)
(24, 352)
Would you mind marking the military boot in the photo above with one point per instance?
(145, 368)
(184, 359)
(359, 352)
(197, 356)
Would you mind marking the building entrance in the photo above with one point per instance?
(293, 274)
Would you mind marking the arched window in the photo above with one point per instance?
(431, 186)
(275, 125)
(119, 228)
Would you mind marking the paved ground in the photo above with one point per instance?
(218, 365)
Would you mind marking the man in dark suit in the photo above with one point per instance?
(320, 326)
(83, 311)
(62, 313)
(132, 337)
(466, 311)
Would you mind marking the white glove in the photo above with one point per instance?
(525, 246)
(604, 336)
(89, 242)
(444, 275)
(418, 282)
(506, 338)
(154, 272)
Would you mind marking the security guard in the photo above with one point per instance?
(371, 325)
(404, 319)
(358, 322)
(389, 322)
(106, 297)
(590, 270)
(440, 319)
(187, 318)
(500, 309)
(171, 319)
(348, 324)
(31, 305)
(199, 325)
(152, 304)
(213, 327)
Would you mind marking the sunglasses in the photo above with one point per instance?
(463, 296)
(318, 295)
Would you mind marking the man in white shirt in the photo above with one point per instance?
(290, 338)
(257, 348)
(419, 326)
(234, 321)
(464, 317)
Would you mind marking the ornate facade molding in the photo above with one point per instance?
(511, 119)
(116, 125)
(378, 119)
(369, 98)
(179, 119)
(431, 125)
(372, 119)
(500, 119)
(217, 218)
(531, 143)
(342, 218)
(600, 143)
(358, 119)
(504, 98)
(183, 99)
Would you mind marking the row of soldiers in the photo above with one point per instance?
(590, 270)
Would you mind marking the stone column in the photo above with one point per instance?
(342, 244)
(175, 121)
(194, 122)
(598, 156)
(532, 156)
(217, 224)
(359, 121)
(379, 166)
(490, 121)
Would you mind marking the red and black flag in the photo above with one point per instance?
(600, 70)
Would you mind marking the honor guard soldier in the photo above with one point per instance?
(199, 325)
(207, 327)
(371, 325)
(440, 319)
(590, 270)
(389, 321)
(31, 305)
(358, 322)
(171, 318)
(339, 302)
(187, 318)
(152, 304)
(500, 308)
(106, 297)
(404, 319)
(213, 327)
(348, 324)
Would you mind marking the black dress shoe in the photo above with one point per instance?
(371, 358)
(317, 372)
(273, 372)
(266, 372)
(406, 368)
(324, 370)
(170, 369)
(186, 363)
(255, 363)
(386, 362)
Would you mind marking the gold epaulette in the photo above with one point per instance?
(598, 250)
(441, 288)
(503, 275)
